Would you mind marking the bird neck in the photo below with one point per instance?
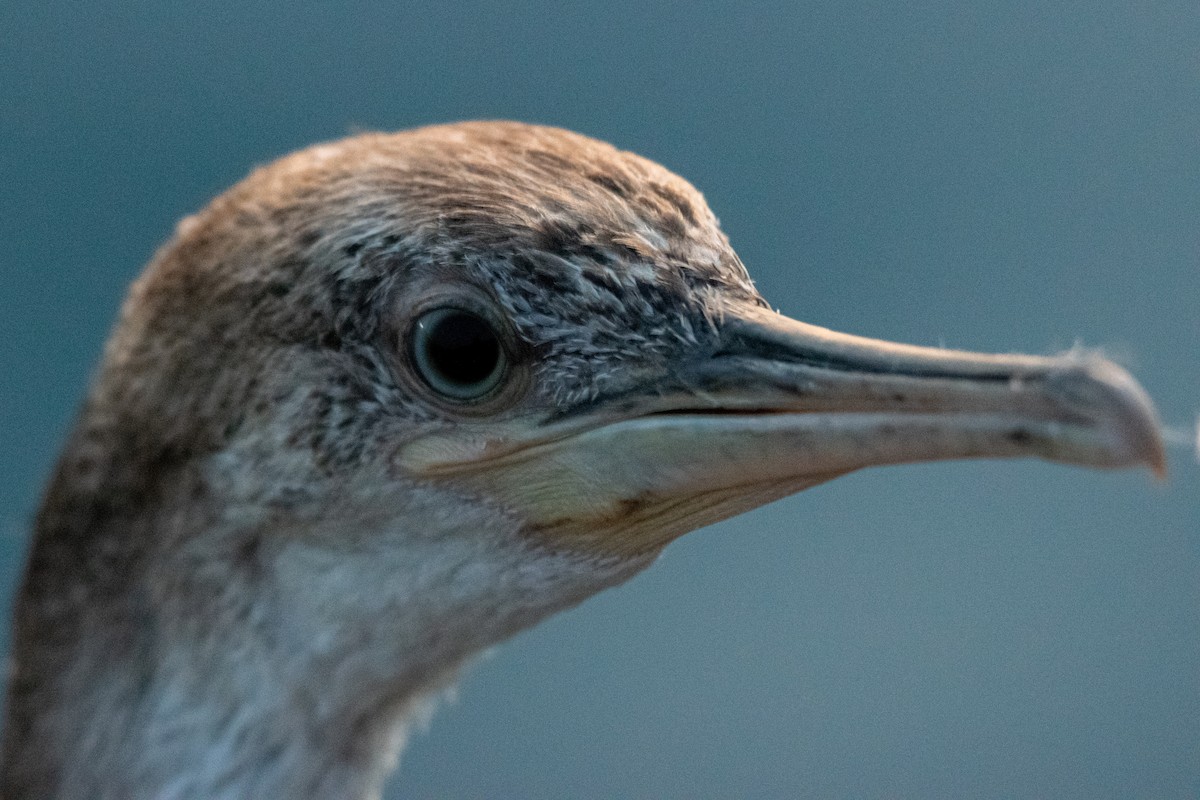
(187, 643)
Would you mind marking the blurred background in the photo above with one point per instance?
(988, 175)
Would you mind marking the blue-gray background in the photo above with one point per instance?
(988, 175)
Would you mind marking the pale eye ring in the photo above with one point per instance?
(458, 353)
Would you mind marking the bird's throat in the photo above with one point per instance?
(278, 655)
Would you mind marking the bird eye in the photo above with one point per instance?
(458, 353)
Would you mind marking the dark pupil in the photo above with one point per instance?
(463, 348)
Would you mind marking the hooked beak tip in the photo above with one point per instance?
(1130, 413)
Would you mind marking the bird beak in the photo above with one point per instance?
(778, 406)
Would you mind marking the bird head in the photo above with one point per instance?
(464, 350)
(391, 399)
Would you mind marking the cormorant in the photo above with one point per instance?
(392, 399)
